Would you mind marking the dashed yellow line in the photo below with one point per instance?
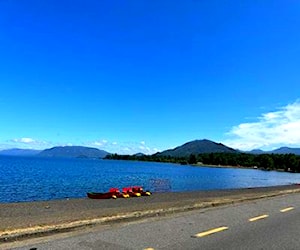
(149, 248)
(258, 217)
(212, 231)
(286, 209)
(220, 229)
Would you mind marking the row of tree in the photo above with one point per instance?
(285, 162)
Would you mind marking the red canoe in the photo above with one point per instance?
(108, 195)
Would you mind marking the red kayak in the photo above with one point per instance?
(114, 193)
(117, 193)
(139, 189)
(130, 192)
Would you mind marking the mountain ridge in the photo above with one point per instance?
(73, 151)
(197, 147)
(281, 150)
(19, 152)
(192, 147)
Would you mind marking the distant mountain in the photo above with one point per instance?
(19, 152)
(73, 151)
(256, 152)
(197, 147)
(282, 150)
(139, 154)
(286, 150)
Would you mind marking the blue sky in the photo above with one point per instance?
(145, 76)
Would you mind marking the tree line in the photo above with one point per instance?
(283, 162)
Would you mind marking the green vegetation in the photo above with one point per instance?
(283, 162)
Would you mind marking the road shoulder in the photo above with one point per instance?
(30, 219)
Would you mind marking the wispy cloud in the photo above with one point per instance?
(99, 143)
(122, 147)
(27, 142)
(271, 130)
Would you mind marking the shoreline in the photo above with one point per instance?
(238, 167)
(222, 166)
(30, 219)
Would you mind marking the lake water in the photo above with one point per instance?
(33, 179)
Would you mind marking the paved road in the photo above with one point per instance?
(272, 223)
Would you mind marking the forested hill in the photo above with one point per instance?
(282, 150)
(197, 147)
(286, 150)
(73, 151)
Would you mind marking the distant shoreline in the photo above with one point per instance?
(236, 167)
(222, 166)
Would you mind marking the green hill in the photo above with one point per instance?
(197, 147)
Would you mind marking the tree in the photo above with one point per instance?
(266, 161)
(291, 162)
(192, 159)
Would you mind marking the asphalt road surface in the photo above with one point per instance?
(272, 223)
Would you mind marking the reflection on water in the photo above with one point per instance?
(29, 178)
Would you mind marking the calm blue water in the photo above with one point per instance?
(33, 179)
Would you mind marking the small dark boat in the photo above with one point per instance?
(108, 195)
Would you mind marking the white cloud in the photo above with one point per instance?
(25, 140)
(96, 143)
(273, 129)
(133, 148)
(128, 147)
(100, 143)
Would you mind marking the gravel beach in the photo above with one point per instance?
(27, 218)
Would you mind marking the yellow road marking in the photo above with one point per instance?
(286, 209)
(258, 217)
(149, 248)
(212, 231)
